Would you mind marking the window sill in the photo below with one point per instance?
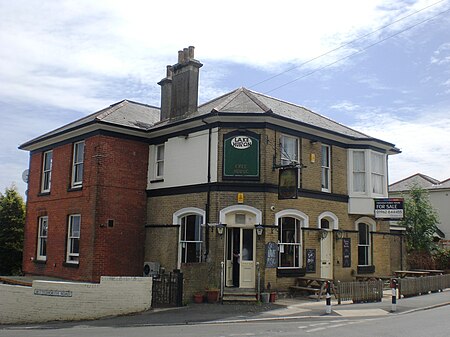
(74, 188)
(366, 269)
(43, 194)
(291, 272)
(40, 261)
(157, 181)
(71, 264)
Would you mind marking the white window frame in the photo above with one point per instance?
(159, 162)
(367, 172)
(42, 236)
(285, 156)
(73, 256)
(46, 180)
(371, 227)
(78, 164)
(303, 221)
(366, 246)
(326, 168)
(377, 174)
(178, 219)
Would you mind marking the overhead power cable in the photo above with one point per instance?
(346, 44)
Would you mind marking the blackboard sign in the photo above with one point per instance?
(271, 255)
(310, 260)
(346, 253)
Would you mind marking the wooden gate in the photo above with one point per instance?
(167, 290)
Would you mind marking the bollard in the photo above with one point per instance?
(328, 299)
(394, 294)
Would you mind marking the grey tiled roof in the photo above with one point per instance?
(421, 180)
(243, 100)
(124, 113)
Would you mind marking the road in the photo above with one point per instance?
(433, 322)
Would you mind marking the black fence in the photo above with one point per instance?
(167, 290)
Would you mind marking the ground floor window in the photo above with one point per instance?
(289, 242)
(73, 238)
(42, 238)
(191, 238)
(363, 244)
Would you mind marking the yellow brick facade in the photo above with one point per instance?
(162, 235)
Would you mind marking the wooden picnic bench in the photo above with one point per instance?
(431, 271)
(314, 285)
(410, 273)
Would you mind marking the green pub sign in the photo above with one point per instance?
(241, 155)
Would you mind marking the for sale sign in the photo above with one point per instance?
(389, 209)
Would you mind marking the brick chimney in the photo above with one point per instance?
(179, 89)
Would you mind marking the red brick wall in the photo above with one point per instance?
(114, 184)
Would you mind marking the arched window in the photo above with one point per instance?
(289, 237)
(363, 244)
(191, 234)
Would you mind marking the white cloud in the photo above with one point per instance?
(423, 140)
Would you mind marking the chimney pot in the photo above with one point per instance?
(180, 56)
(191, 52)
(186, 55)
(169, 71)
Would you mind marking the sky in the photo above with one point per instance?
(380, 67)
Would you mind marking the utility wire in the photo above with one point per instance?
(345, 44)
(352, 54)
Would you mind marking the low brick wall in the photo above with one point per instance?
(52, 301)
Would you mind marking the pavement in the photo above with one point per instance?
(282, 309)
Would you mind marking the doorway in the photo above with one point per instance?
(326, 250)
(240, 261)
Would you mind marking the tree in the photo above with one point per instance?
(420, 221)
(12, 222)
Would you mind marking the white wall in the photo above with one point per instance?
(185, 160)
(440, 199)
(50, 301)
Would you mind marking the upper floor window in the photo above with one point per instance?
(159, 161)
(289, 150)
(46, 171)
(191, 238)
(377, 172)
(289, 248)
(78, 163)
(326, 168)
(73, 238)
(359, 171)
(42, 239)
(368, 172)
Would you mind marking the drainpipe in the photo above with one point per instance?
(208, 193)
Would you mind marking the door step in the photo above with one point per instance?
(239, 295)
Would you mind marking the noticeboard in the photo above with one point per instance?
(271, 255)
(346, 253)
(310, 260)
(389, 209)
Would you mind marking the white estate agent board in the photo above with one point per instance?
(389, 208)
